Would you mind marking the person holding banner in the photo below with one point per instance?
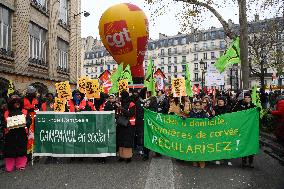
(219, 109)
(78, 104)
(198, 112)
(15, 145)
(246, 104)
(163, 102)
(185, 105)
(125, 127)
(175, 106)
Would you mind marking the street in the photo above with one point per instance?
(159, 172)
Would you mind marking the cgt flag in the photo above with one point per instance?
(231, 56)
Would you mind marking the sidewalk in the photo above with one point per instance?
(271, 146)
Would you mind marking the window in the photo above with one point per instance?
(175, 42)
(162, 52)
(162, 61)
(183, 68)
(195, 56)
(176, 50)
(222, 34)
(87, 70)
(205, 36)
(37, 43)
(222, 44)
(162, 68)
(205, 56)
(170, 60)
(102, 69)
(183, 58)
(169, 69)
(205, 46)
(183, 41)
(5, 29)
(108, 67)
(212, 55)
(42, 2)
(175, 69)
(195, 38)
(175, 60)
(62, 54)
(196, 47)
(195, 76)
(63, 11)
(213, 35)
(195, 66)
(102, 61)
(169, 51)
(212, 45)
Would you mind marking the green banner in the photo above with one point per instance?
(231, 135)
(81, 134)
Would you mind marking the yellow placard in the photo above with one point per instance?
(10, 88)
(59, 105)
(92, 88)
(178, 87)
(82, 84)
(63, 90)
(123, 85)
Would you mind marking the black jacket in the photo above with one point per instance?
(221, 110)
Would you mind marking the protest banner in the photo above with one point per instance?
(92, 88)
(123, 85)
(63, 90)
(59, 105)
(80, 134)
(178, 87)
(82, 84)
(227, 136)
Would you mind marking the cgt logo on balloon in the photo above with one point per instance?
(118, 37)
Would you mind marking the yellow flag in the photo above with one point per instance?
(123, 85)
(178, 87)
(59, 105)
(63, 90)
(10, 88)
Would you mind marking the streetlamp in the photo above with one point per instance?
(86, 14)
(202, 67)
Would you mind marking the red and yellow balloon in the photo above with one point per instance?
(124, 33)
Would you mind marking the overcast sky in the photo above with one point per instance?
(166, 24)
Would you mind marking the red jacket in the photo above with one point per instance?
(28, 105)
(82, 105)
(279, 110)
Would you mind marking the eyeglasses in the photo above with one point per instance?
(204, 102)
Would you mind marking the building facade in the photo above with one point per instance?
(199, 49)
(40, 43)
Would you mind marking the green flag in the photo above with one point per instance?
(256, 100)
(149, 81)
(126, 74)
(231, 56)
(187, 82)
(114, 78)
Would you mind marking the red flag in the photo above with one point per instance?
(105, 78)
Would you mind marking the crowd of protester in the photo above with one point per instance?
(131, 106)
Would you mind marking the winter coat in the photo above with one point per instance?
(221, 110)
(15, 144)
(125, 135)
(198, 114)
(110, 106)
(279, 112)
(163, 106)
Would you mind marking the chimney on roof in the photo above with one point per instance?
(256, 17)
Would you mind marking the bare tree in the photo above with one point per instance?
(265, 48)
(191, 14)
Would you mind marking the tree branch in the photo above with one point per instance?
(228, 31)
